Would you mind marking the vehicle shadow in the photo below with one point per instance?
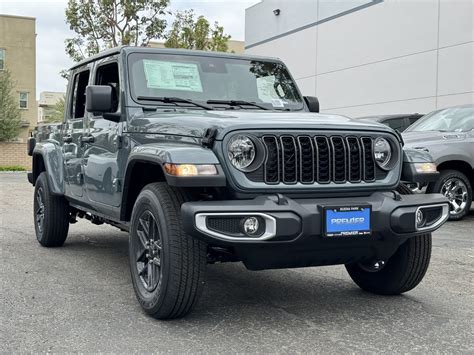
(232, 292)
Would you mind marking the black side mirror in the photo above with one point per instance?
(98, 98)
(312, 103)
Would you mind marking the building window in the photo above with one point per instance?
(23, 100)
(2, 59)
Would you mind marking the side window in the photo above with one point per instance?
(413, 119)
(396, 123)
(78, 103)
(108, 74)
(23, 100)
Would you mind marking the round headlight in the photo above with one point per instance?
(382, 152)
(241, 151)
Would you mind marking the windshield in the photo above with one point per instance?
(458, 119)
(225, 82)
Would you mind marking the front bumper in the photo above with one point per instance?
(295, 228)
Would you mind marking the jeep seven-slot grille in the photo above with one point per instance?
(318, 159)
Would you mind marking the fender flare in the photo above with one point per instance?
(174, 153)
(52, 162)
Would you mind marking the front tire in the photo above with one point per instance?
(167, 266)
(457, 188)
(51, 214)
(402, 272)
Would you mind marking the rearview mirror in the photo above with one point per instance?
(98, 98)
(312, 103)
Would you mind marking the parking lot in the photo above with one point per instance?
(79, 298)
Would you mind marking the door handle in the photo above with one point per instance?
(88, 139)
(67, 139)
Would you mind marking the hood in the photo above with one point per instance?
(418, 139)
(194, 123)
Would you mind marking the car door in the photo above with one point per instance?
(73, 132)
(102, 142)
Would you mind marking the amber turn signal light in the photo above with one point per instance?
(185, 170)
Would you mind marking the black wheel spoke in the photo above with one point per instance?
(143, 238)
(148, 251)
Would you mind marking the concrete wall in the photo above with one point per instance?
(18, 39)
(393, 56)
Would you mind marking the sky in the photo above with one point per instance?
(52, 30)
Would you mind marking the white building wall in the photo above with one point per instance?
(392, 56)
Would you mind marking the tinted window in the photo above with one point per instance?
(78, 103)
(108, 74)
(396, 123)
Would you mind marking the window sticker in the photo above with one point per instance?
(278, 103)
(172, 75)
(266, 90)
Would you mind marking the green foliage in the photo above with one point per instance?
(12, 168)
(190, 32)
(102, 24)
(10, 117)
(57, 112)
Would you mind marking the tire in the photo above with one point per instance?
(167, 266)
(50, 213)
(447, 176)
(402, 272)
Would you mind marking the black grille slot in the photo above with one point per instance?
(339, 159)
(355, 159)
(289, 160)
(272, 162)
(369, 162)
(316, 159)
(307, 160)
(324, 160)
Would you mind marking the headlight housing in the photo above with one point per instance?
(241, 151)
(382, 152)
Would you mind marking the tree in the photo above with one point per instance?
(191, 33)
(101, 24)
(10, 117)
(57, 112)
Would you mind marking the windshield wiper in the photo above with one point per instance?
(172, 100)
(235, 103)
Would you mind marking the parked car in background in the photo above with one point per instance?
(398, 122)
(448, 135)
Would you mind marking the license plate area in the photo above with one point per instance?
(346, 221)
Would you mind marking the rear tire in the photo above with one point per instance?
(402, 272)
(167, 266)
(51, 214)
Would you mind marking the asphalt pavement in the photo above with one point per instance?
(79, 298)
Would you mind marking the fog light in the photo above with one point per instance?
(420, 218)
(251, 225)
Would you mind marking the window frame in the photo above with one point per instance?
(20, 100)
(105, 62)
(71, 108)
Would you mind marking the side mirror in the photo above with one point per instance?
(312, 103)
(98, 98)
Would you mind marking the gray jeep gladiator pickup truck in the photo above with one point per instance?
(211, 157)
